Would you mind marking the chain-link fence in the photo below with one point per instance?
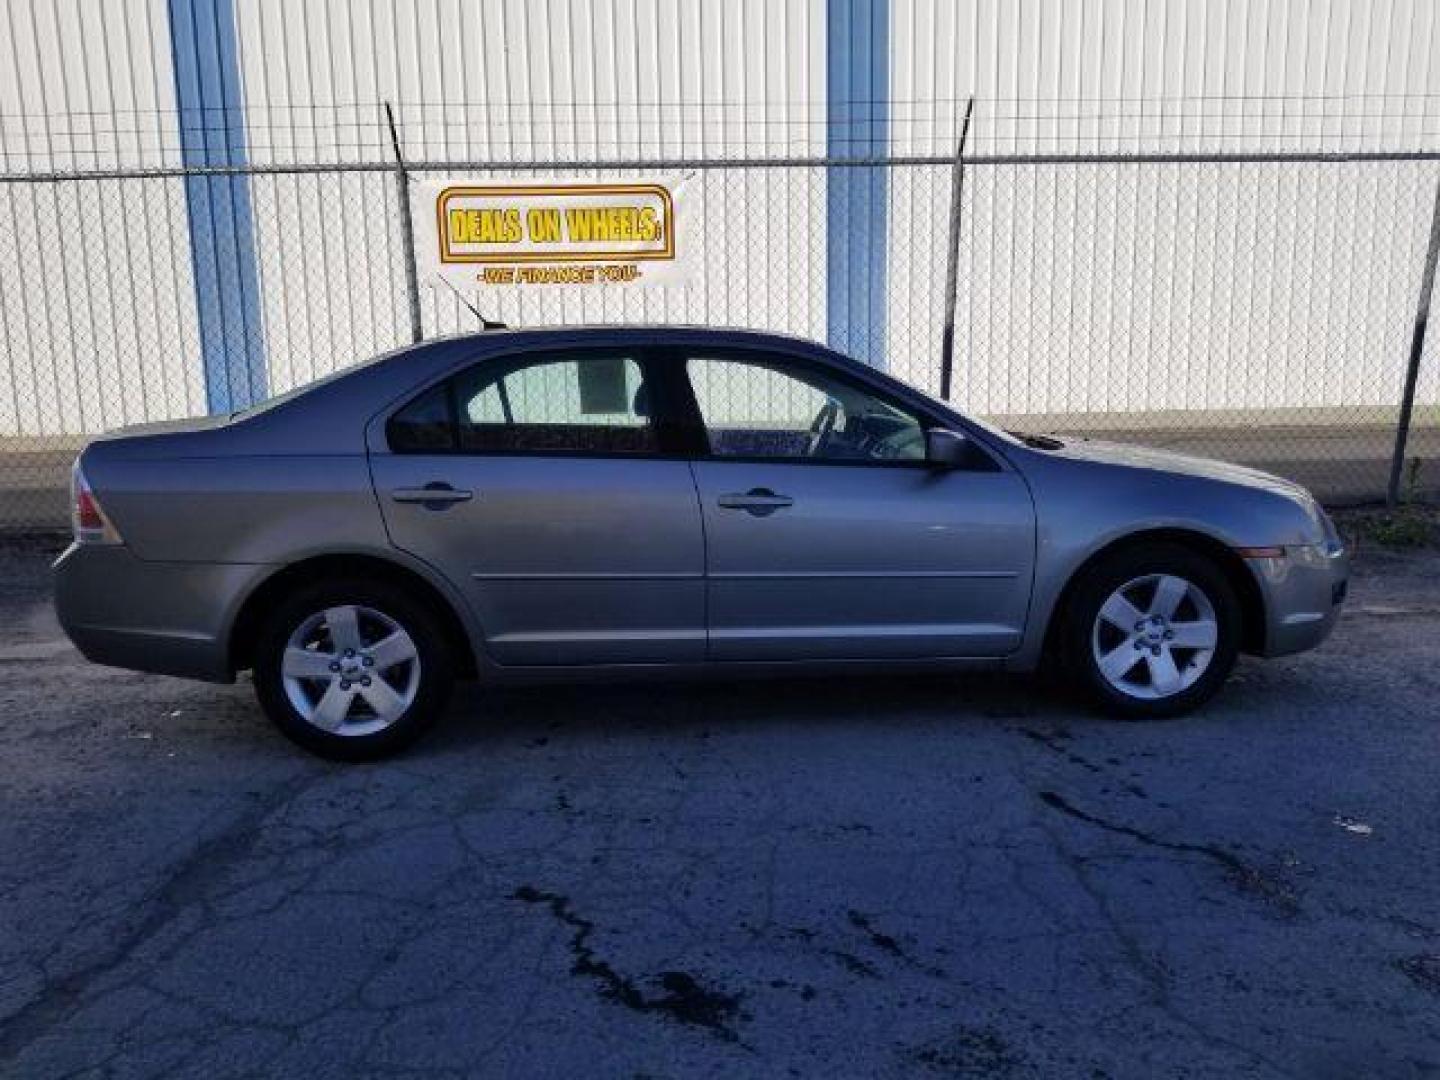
(1255, 308)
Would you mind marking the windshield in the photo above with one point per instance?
(987, 428)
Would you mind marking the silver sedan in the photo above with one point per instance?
(631, 501)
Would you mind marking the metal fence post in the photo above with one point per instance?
(952, 258)
(1417, 346)
(407, 228)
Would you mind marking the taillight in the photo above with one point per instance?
(89, 522)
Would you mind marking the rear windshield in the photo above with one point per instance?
(304, 388)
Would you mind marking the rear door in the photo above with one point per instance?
(828, 534)
(541, 485)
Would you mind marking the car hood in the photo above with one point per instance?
(1145, 457)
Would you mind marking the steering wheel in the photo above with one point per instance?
(822, 427)
(900, 445)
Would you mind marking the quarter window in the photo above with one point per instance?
(754, 408)
(425, 425)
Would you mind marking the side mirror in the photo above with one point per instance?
(945, 449)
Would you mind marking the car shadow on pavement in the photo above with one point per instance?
(711, 706)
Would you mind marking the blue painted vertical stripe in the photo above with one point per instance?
(222, 228)
(857, 126)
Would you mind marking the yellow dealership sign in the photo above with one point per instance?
(558, 234)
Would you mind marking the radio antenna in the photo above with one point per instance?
(485, 324)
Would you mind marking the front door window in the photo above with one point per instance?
(753, 409)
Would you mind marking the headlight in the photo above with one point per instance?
(1331, 537)
(1333, 544)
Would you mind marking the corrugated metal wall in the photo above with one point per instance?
(91, 84)
(1159, 75)
(523, 80)
(99, 308)
(561, 81)
(86, 85)
(1071, 280)
(1115, 289)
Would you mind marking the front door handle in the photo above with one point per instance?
(436, 495)
(758, 502)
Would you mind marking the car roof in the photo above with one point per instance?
(618, 333)
(429, 358)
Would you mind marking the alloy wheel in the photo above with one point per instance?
(1155, 636)
(350, 670)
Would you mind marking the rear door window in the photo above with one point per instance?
(580, 403)
(576, 402)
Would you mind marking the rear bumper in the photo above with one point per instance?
(1304, 591)
(163, 617)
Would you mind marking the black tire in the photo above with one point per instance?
(1096, 586)
(431, 689)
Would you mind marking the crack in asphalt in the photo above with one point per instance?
(1056, 741)
(848, 960)
(1240, 873)
(1150, 968)
(59, 998)
(685, 1000)
(881, 941)
(887, 943)
(1423, 969)
(969, 1051)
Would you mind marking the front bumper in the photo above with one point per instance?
(170, 618)
(1303, 592)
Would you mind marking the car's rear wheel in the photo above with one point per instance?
(1152, 630)
(352, 670)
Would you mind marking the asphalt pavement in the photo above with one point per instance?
(870, 877)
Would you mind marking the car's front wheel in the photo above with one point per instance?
(352, 670)
(1152, 630)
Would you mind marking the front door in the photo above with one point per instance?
(828, 536)
(537, 484)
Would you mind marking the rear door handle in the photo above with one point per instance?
(435, 495)
(759, 502)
